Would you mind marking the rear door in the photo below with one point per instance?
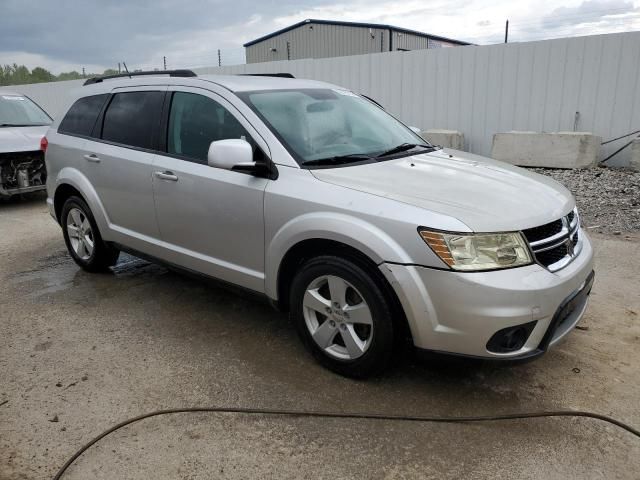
(122, 162)
(211, 220)
(67, 145)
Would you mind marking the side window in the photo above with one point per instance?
(132, 118)
(82, 115)
(195, 121)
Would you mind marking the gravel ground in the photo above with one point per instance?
(608, 198)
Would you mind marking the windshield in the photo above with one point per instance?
(318, 124)
(19, 111)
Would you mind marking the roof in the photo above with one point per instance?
(353, 24)
(234, 83)
(244, 83)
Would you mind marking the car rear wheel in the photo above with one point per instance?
(82, 237)
(342, 316)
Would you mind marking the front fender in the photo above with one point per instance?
(76, 179)
(355, 232)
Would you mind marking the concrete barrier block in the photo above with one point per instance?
(554, 150)
(445, 138)
(635, 155)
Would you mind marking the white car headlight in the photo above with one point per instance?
(478, 251)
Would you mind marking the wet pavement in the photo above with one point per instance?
(80, 352)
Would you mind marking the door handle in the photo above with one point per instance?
(92, 158)
(167, 176)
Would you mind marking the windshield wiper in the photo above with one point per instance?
(403, 148)
(338, 160)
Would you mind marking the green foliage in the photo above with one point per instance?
(39, 74)
(19, 74)
(73, 75)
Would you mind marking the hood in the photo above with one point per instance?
(484, 194)
(21, 139)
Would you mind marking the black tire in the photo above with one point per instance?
(103, 255)
(376, 357)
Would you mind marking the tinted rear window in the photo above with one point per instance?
(82, 115)
(132, 118)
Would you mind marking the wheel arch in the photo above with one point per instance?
(71, 182)
(63, 192)
(332, 229)
(315, 247)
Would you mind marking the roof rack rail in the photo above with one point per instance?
(171, 73)
(280, 75)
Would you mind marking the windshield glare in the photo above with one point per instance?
(325, 123)
(20, 111)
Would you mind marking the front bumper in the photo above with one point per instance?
(20, 191)
(458, 312)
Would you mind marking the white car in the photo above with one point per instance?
(317, 198)
(23, 124)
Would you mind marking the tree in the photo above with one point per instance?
(73, 75)
(19, 75)
(39, 74)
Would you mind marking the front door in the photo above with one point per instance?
(211, 220)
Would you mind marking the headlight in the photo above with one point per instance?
(479, 251)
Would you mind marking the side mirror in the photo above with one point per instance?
(231, 154)
(415, 130)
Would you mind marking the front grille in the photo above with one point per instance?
(549, 257)
(556, 244)
(545, 231)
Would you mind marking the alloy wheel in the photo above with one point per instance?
(80, 233)
(337, 317)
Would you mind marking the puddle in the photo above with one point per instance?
(53, 274)
(58, 273)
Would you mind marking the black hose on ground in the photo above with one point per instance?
(622, 147)
(616, 152)
(358, 416)
(620, 137)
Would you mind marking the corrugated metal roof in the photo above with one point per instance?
(353, 24)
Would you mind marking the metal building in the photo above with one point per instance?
(326, 38)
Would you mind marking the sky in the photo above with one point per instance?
(64, 35)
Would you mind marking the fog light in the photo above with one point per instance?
(510, 339)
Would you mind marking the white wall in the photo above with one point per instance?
(482, 90)
(478, 90)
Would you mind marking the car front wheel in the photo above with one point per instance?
(342, 316)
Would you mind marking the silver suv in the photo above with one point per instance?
(319, 199)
